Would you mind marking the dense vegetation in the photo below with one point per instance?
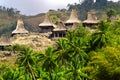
(100, 6)
(8, 16)
(81, 55)
(10, 11)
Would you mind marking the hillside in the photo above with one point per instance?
(85, 53)
(100, 6)
(8, 23)
(32, 22)
(9, 16)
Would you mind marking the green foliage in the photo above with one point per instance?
(100, 6)
(101, 37)
(55, 19)
(111, 12)
(78, 56)
(105, 63)
(10, 11)
(8, 18)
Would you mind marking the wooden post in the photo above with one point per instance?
(57, 34)
(54, 34)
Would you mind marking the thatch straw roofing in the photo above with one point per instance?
(60, 27)
(74, 26)
(4, 41)
(73, 17)
(47, 21)
(91, 18)
(20, 29)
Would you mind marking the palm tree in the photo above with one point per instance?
(72, 51)
(110, 13)
(27, 60)
(75, 72)
(49, 61)
(62, 51)
(101, 37)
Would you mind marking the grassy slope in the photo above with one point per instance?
(32, 22)
(8, 23)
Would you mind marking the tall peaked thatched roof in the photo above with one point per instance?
(59, 27)
(47, 21)
(4, 41)
(73, 17)
(91, 18)
(20, 29)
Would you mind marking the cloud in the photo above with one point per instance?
(31, 7)
(36, 6)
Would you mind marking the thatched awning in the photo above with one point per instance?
(91, 21)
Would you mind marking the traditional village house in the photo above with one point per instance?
(73, 19)
(4, 42)
(59, 30)
(20, 29)
(91, 19)
(46, 25)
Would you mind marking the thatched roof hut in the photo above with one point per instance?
(47, 25)
(91, 18)
(20, 29)
(59, 30)
(73, 18)
(47, 21)
(4, 41)
(60, 27)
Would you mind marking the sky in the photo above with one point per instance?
(32, 7)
